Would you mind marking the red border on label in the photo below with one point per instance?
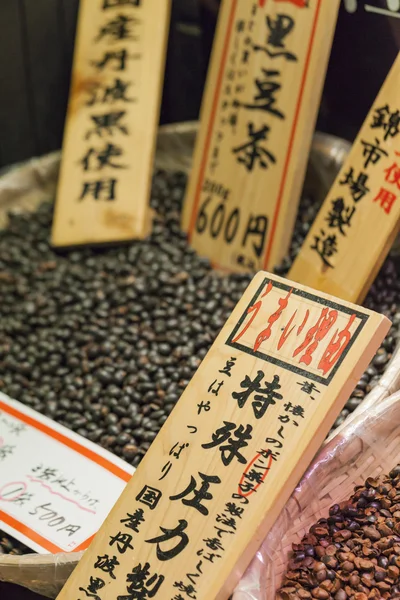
(59, 437)
(212, 120)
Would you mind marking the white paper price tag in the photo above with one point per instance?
(56, 488)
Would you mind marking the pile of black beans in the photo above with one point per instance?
(105, 340)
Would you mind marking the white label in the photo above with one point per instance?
(56, 488)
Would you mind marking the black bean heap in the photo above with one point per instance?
(354, 554)
(105, 340)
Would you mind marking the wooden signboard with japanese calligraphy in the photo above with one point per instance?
(359, 220)
(234, 448)
(258, 116)
(110, 134)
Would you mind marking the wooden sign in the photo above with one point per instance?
(234, 448)
(359, 220)
(112, 121)
(257, 120)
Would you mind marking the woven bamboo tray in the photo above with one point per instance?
(25, 186)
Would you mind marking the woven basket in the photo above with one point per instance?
(25, 186)
(366, 446)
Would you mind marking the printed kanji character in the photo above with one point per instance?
(265, 334)
(118, 29)
(108, 124)
(326, 246)
(102, 158)
(228, 367)
(116, 3)
(336, 347)
(234, 510)
(393, 174)
(372, 152)
(23, 499)
(386, 199)
(253, 152)
(122, 541)
(167, 536)
(119, 57)
(386, 120)
(256, 230)
(189, 590)
(6, 450)
(263, 396)
(109, 94)
(340, 215)
(308, 387)
(107, 564)
(279, 28)
(225, 520)
(103, 189)
(141, 585)
(16, 428)
(315, 335)
(149, 496)
(214, 544)
(236, 438)
(200, 494)
(94, 586)
(358, 187)
(47, 473)
(297, 411)
(265, 98)
(214, 389)
(210, 555)
(135, 520)
(203, 406)
(255, 476)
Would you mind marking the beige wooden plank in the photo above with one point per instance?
(239, 439)
(110, 134)
(359, 220)
(258, 115)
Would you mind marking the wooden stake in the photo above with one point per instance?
(359, 220)
(258, 115)
(112, 122)
(226, 461)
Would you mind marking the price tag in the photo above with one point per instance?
(258, 115)
(360, 218)
(112, 121)
(56, 488)
(238, 441)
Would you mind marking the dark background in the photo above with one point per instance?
(36, 48)
(13, 592)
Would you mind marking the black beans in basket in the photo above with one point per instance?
(105, 341)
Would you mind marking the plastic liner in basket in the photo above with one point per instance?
(367, 446)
